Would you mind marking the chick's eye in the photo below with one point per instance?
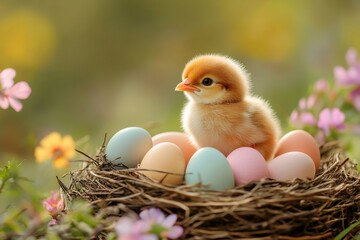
(207, 82)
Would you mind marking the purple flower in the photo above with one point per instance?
(10, 93)
(331, 118)
(161, 225)
(302, 119)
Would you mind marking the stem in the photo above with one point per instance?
(3, 184)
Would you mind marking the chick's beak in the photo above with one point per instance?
(187, 87)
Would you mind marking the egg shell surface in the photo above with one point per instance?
(180, 139)
(299, 141)
(247, 165)
(291, 165)
(129, 146)
(166, 157)
(210, 167)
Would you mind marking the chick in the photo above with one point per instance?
(221, 111)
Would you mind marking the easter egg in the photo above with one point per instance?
(180, 139)
(129, 146)
(166, 157)
(211, 168)
(299, 141)
(247, 165)
(291, 165)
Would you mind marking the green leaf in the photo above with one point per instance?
(347, 230)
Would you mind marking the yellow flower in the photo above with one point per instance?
(56, 148)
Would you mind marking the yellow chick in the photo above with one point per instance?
(221, 112)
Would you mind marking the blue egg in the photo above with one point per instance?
(210, 167)
(129, 146)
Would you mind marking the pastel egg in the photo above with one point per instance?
(166, 157)
(180, 139)
(211, 168)
(247, 165)
(299, 141)
(129, 146)
(291, 165)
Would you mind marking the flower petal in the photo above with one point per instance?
(341, 76)
(144, 214)
(4, 102)
(124, 226)
(338, 118)
(42, 154)
(307, 118)
(294, 117)
(51, 140)
(20, 90)
(325, 120)
(356, 102)
(53, 222)
(302, 103)
(156, 215)
(6, 77)
(61, 162)
(169, 221)
(351, 57)
(147, 237)
(15, 104)
(175, 232)
(68, 146)
(311, 101)
(321, 86)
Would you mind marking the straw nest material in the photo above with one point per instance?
(265, 209)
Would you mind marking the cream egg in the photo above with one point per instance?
(299, 141)
(166, 157)
(291, 165)
(180, 139)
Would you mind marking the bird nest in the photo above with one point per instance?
(266, 209)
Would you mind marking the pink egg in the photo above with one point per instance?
(247, 165)
(291, 165)
(180, 139)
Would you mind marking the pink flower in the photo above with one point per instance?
(165, 225)
(321, 86)
(302, 119)
(355, 98)
(351, 58)
(53, 222)
(54, 204)
(351, 76)
(331, 118)
(152, 225)
(132, 229)
(10, 93)
(307, 103)
(311, 101)
(302, 104)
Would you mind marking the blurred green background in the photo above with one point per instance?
(99, 66)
